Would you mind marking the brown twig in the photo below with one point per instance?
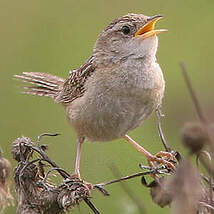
(207, 165)
(160, 131)
(199, 111)
(193, 94)
(199, 137)
(128, 191)
(91, 205)
(116, 180)
(45, 157)
(124, 178)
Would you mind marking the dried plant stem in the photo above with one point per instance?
(159, 115)
(44, 156)
(91, 205)
(149, 172)
(33, 187)
(123, 178)
(193, 94)
(128, 191)
(198, 107)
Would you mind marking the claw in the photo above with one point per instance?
(76, 178)
(164, 158)
(168, 155)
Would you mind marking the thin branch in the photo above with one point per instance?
(51, 170)
(43, 135)
(207, 166)
(91, 205)
(159, 115)
(44, 156)
(198, 107)
(116, 180)
(193, 94)
(128, 191)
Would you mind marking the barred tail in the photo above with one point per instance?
(42, 84)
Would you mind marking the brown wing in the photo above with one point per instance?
(73, 87)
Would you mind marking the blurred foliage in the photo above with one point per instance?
(56, 36)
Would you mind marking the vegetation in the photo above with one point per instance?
(56, 36)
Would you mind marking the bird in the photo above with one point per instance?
(115, 90)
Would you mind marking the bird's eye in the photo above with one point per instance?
(126, 30)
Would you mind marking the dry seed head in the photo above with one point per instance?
(194, 136)
(161, 193)
(186, 188)
(5, 196)
(16, 147)
(73, 193)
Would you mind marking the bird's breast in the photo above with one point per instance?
(115, 103)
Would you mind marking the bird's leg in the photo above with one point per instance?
(151, 158)
(78, 157)
(138, 147)
(75, 177)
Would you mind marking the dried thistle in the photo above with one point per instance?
(194, 136)
(36, 194)
(19, 151)
(161, 192)
(72, 192)
(186, 189)
(5, 197)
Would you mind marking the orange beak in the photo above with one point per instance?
(148, 29)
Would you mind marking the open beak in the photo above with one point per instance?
(148, 29)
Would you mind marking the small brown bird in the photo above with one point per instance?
(115, 90)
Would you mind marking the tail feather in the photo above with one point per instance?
(42, 84)
(39, 91)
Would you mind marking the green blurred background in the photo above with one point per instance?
(56, 36)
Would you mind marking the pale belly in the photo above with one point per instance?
(110, 117)
(111, 107)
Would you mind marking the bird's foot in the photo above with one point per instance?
(164, 158)
(75, 177)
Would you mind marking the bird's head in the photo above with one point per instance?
(133, 35)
